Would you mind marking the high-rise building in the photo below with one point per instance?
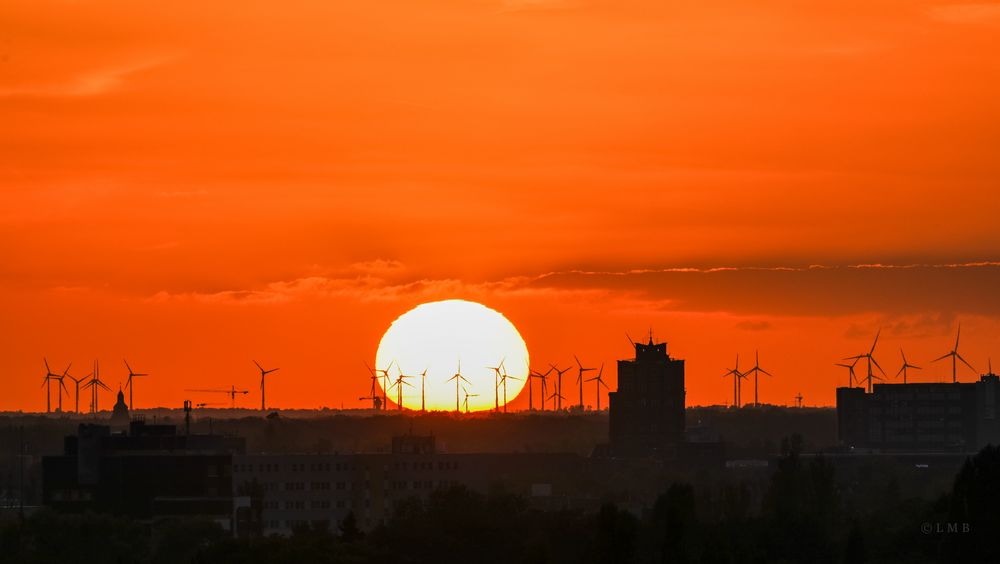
(647, 411)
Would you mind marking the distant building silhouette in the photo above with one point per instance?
(150, 471)
(959, 416)
(119, 415)
(646, 413)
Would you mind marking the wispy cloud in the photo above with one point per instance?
(813, 290)
(509, 6)
(90, 83)
(973, 13)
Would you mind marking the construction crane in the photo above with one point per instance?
(231, 392)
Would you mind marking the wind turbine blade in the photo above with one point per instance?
(127, 366)
(964, 361)
(765, 371)
(876, 341)
(875, 362)
(958, 336)
(261, 368)
(942, 357)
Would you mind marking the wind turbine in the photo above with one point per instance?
(503, 382)
(545, 385)
(373, 393)
(76, 382)
(398, 384)
(95, 384)
(756, 368)
(496, 382)
(955, 357)
(385, 384)
(47, 384)
(558, 393)
(128, 383)
(850, 368)
(579, 378)
(62, 386)
(458, 378)
(798, 400)
(906, 365)
(557, 397)
(467, 396)
(536, 374)
(736, 374)
(869, 356)
(599, 382)
(265, 373)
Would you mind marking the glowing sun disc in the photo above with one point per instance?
(436, 336)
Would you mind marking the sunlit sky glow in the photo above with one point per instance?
(193, 186)
(440, 337)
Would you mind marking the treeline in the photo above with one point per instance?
(801, 517)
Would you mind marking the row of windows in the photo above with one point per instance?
(421, 485)
(299, 467)
(423, 465)
(317, 504)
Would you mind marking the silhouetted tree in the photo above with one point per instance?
(349, 531)
(675, 518)
(616, 535)
(974, 503)
(854, 552)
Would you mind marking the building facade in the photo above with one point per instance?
(321, 490)
(149, 471)
(646, 412)
(943, 417)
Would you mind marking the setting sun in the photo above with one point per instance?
(441, 336)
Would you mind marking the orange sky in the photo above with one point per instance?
(192, 185)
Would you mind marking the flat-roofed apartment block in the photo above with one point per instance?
(960, 416)
(322, 489)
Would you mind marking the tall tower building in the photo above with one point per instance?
(647, 411)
